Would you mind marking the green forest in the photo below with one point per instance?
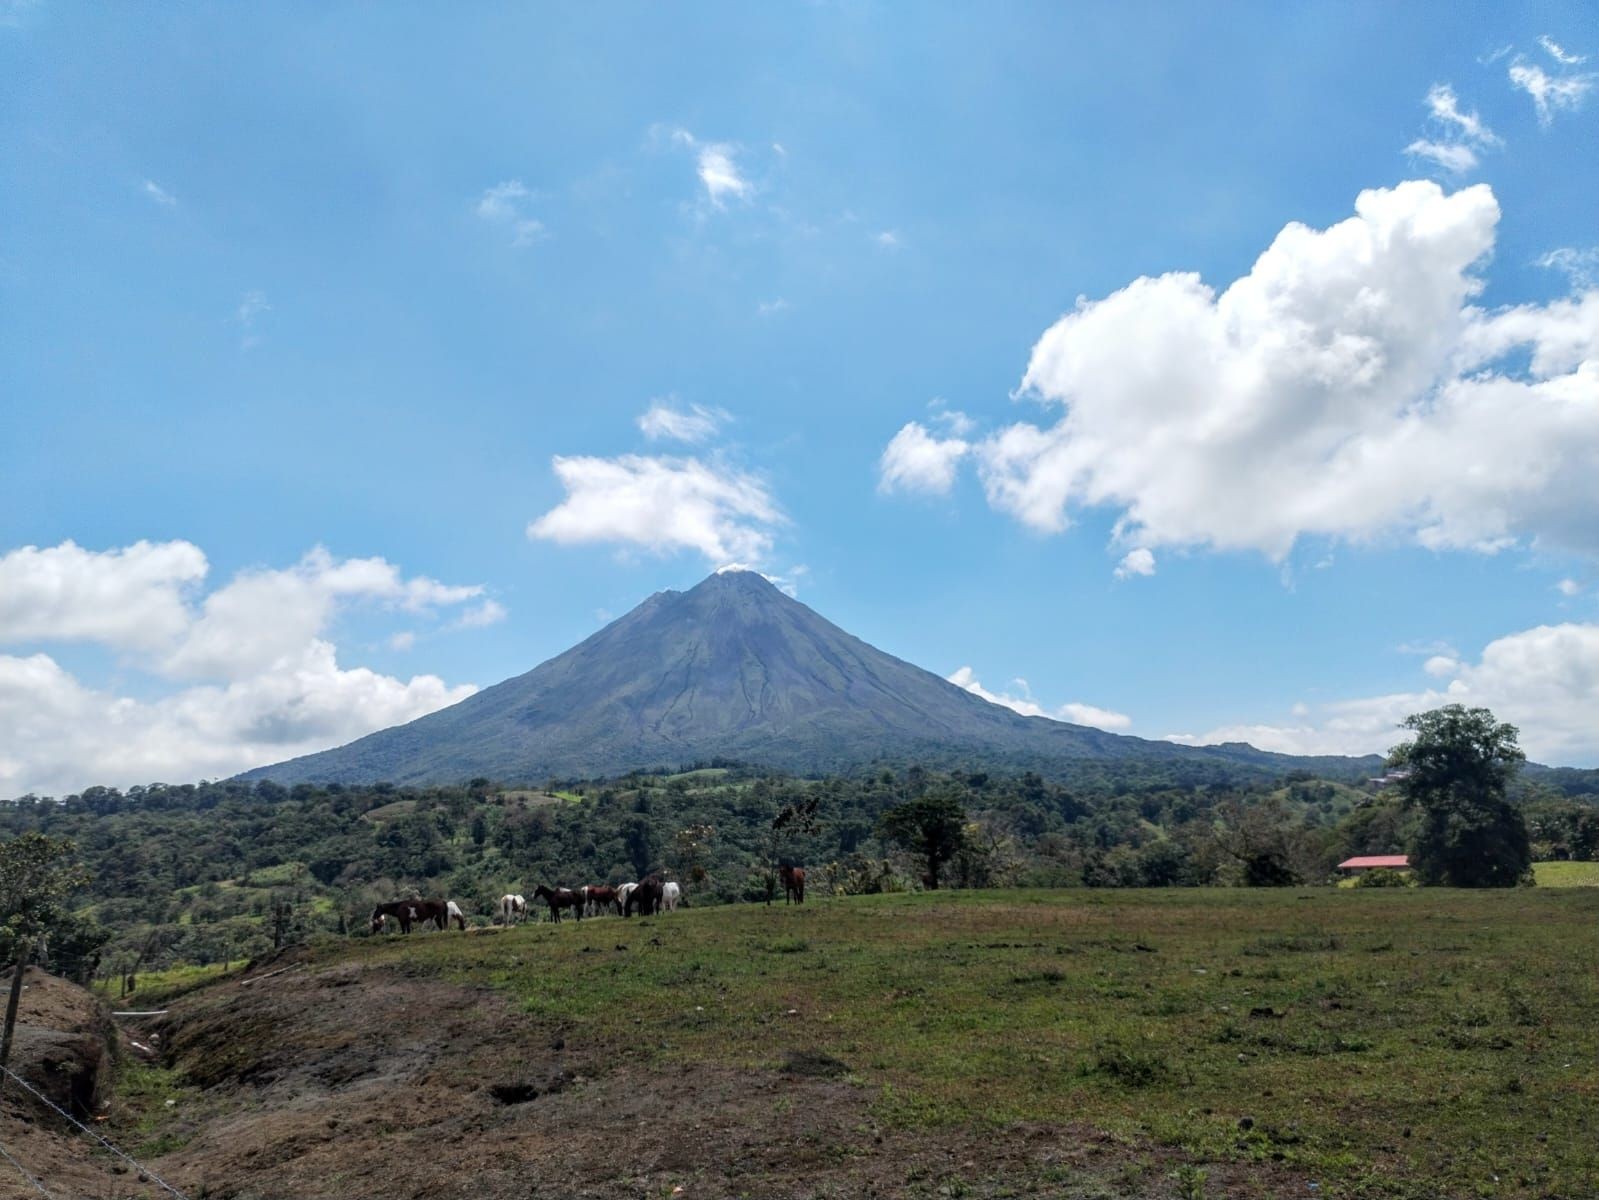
(219, 872)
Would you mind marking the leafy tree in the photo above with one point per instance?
(1458, 771)
(37, 874)
(932, 826)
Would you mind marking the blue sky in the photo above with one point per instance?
(300, 305)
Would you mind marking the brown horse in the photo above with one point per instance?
(559, 898)
(601, 897)
(407, 911)
(793, 884)
(646, 897)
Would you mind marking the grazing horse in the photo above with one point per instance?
(452, 912)
(622, 893)
(407, 911)
(512, 908)
(793, 884)
(559, 898)
(670, 895)
(646, 897)
(601, 898)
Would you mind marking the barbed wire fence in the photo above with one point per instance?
(38, 1187)
(144, 1171)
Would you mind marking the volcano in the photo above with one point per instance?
(735, 670)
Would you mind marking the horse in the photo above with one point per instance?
(559, 898)
(793, 884)
(623, 891)
(452, 912)
(512, 908)
(407, 911)
(670, 895)
(600, 897)
(646, 896)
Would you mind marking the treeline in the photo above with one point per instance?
(217, 872)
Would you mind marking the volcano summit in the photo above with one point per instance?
(734, 669)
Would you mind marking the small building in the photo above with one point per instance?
(1376, 862)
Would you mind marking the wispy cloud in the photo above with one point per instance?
(1550, 93)
(1453, 157)
(716, 164)
(1581, 267)
(159, 194)
(888, 239)
(770, 308)
(1559, 53)
(693, 424)
(251, 305)
(1460, 133)
(506, 205)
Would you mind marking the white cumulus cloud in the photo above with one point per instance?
(1345, 387)
(1138, 561)
(918, 461)
(133, 598)
(241, 676)
(1543, 680)
(662, 504)
(1074, 712)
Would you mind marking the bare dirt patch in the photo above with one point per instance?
(351, 1081)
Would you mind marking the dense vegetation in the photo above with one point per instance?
(220, 871)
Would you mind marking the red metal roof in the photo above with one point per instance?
(1374, 860)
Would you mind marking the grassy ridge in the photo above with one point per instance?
(1385, 1043)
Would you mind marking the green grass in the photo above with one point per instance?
(156, 987)
(146, 1095)
(1566, 874)
(1385, 1043)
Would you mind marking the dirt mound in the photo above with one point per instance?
(66, 1049)
(65, 1045)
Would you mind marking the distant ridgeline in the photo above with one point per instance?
(211, 872)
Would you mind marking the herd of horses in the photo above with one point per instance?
(648, 897)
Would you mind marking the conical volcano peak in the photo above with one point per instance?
(733, 668)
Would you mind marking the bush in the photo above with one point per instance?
(1386, 879)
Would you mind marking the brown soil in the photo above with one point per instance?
(65, 1049)
(341, 1081)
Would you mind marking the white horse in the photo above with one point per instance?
(622, 891)
(670, 895)
(452, 912)
(512, 908)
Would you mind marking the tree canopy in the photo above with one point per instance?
(1457, 772)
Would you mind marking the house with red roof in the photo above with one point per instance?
(1376, 862)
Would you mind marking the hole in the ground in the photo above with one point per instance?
(810, 1062)
(513, 1093)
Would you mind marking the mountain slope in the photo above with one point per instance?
(731, 669)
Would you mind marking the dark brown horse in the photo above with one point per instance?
(559, 898)
(646, 897)
(601, 897)
(407, 911)
(793, 884)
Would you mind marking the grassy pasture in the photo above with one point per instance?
(1386, 1043)
(1566, 874)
